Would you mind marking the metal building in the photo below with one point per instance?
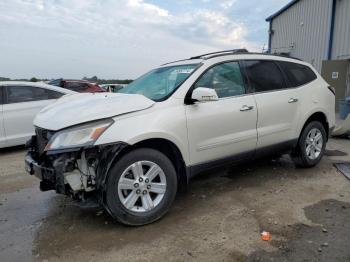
(316, 31)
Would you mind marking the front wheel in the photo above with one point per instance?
(311, 145)
(141, 187)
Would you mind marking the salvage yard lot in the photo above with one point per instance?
(219, 219)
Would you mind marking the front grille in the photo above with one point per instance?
(42, 138)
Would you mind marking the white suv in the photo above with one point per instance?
(132, 151)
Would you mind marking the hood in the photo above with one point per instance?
(84, 107)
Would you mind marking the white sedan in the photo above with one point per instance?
(19, 103)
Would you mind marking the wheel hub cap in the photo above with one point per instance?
(314, 144)
(142, 186)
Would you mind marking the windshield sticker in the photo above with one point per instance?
(183, 71)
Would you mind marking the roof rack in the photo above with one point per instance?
(284, 54)
(174, 62)
(233, 51)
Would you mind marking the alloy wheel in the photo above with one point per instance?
(314, 144)
(142, 186)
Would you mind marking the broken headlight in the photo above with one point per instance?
(82, 135)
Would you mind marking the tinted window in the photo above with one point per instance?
(19, 94)
(76, 86)
(53, 94)
(264, 75)
(297, 74)
(226, 79)
(1, 95)
(56, 82)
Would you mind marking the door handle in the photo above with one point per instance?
(246, 108)
(293, 100)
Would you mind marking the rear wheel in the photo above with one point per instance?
(141, 187)
(311, 145)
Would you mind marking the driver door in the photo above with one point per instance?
(219, 130)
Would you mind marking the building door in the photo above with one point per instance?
(336, 73)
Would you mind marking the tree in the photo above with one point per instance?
(4, 79)
(33, 79)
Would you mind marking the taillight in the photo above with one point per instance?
(331, 88)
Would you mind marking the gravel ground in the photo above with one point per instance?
(219, 219)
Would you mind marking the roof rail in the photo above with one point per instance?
(174, 62)
(284, 54)
(233, 51)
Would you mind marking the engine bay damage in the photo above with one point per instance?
(78, 172)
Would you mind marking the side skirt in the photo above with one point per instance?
(278, 149)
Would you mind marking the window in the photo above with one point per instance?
(1, 95)
(76, 86)
(264, 75)
(53, 94)
(226, 79)
(160, 83)
(56, 82)
(19, 94)
(297, 74)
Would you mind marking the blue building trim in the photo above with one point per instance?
(331, 30)
(270, 38)
(271, 17)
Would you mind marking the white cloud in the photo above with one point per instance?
(227, 3)
(111, 38)
(148, 7)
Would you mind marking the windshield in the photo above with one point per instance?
(159, 83)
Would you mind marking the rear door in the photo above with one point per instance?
(2, 129)
(277, 104)
(22, 103)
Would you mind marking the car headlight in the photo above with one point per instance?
(82, 135)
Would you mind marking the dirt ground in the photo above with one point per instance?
(220, 218)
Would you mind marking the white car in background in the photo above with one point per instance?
(19, 103)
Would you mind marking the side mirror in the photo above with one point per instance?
(203, 94)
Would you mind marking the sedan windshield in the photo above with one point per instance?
(160, 83)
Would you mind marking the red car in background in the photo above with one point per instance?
(81, 86)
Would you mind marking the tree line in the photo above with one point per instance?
(94, 79)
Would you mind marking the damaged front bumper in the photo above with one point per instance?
(45, 174)
(77, 172)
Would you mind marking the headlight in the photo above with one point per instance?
(82, 135)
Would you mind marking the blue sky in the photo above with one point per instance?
(122, 38)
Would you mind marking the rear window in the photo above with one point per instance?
(76, 86)
(20, 94)
(297, 74)
(56, 82)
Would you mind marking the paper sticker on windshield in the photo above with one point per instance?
(184, 71)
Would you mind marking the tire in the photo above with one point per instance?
(309, 150)
(129, 204)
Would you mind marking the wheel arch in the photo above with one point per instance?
(320, 117)
(168, 148)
